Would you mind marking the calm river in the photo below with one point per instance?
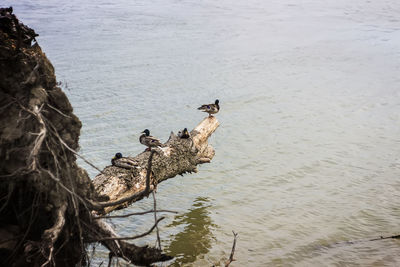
(308, 151)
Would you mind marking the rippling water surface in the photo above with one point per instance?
(308, 151)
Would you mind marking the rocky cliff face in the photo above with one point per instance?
(38, 132)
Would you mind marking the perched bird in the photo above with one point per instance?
(210, 108)
(184, 134)
(148, 140)
(122, 162)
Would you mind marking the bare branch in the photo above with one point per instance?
(233, 250)
(133, 237)
(132, 214)
(58, 111)
(148, 173)
(76, 153)
(65, 188)
(155, 220)
(386, 237)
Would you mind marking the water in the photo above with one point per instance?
(308, 151)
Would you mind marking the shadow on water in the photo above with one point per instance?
(196, 237)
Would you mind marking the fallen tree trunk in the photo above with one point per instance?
(177, 156)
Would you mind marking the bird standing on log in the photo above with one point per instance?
(148, 140)
(210, 108)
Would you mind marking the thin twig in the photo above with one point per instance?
(132, 237)
(155, 220)
(110, 256)
(386, 237)
(72, 150)
(233, 250)
(148, 173)
(351, 242)
(76, 153)
(91, 256)
(59, 111)
(63, 186)
(132, 214)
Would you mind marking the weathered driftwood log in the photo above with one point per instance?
(177, 156)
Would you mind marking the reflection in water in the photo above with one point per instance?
(196, 237)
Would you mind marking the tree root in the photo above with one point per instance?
(51, 235)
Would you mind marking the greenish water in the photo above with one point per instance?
(198, 227)
(308, 151)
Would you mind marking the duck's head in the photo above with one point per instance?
(216, 102)
(185, 131)
(146, 132)
(118, 156)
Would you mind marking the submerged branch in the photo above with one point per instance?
(233, 250)
(133, 237)
(133, 214)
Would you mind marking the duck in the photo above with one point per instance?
(148, 140)
(119, 161)
(210, 108)
(184, 134)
